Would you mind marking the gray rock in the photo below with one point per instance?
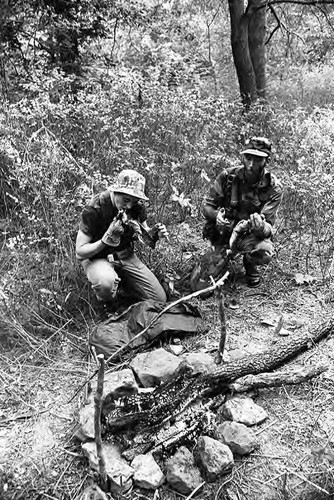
(155, 367)
(93, 492)
(242, 409)
(200, 362)
(239, 438)
(148, 474)
(118, 471)
(326, 423)
(86, 430)
(213, 458)
(116, 384)
(182, 474)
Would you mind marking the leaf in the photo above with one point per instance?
(279, 325)
(284, 332)
(204, 175)
(268, 321)
(302, 279)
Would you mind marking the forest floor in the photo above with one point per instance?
(41, 459)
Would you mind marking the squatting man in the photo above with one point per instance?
(110, 225)
(241, 207)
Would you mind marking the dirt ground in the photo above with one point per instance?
(41, 459)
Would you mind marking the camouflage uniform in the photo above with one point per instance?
(239, 199)
(99, 220)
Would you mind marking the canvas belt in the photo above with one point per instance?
(123, 254)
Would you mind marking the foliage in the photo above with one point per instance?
(153, 90)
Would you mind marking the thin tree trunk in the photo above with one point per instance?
(256, 40)
(240, 50)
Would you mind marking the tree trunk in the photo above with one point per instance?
(241, 54)
(256, 40)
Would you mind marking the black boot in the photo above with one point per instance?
(253, 278)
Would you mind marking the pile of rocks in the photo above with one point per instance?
(211, 457)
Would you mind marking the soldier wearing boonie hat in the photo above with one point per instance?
(241, 207)
(110, 224)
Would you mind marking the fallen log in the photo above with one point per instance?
(184, 389)
(197, 419)
(264, 380)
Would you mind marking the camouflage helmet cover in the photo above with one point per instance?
(258, 146)
(130, 182)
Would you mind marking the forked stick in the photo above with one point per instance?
(211, 288)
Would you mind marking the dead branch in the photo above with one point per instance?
(193, 295)
(263, 380)
(97, 421)
(185, 388)
(268, 360)
(221, 310)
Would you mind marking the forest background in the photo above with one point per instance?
(89, 88)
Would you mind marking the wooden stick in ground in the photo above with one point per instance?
(222, 340)
(97, 422)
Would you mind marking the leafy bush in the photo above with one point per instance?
(55, 155)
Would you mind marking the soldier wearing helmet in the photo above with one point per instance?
(110, 224)
(241, 207)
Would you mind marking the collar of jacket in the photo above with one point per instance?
(264, 181)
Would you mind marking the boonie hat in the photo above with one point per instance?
(258, 146)
(130, 182)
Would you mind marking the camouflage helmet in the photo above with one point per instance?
(130, 182)
(258, 146)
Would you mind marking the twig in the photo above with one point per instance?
(210, 288)
(265, 428)
(222, 340)
(193, 295)
(94, 355)
(97, 422)
(307, 481)
(24, 415)
(193, 493)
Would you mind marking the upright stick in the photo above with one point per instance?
(221, 310)
(97, 422)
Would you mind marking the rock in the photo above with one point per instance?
(86, 430)
(118, 471)
(148, 474)
(237, 437)
(176, 349)
(93, 492)
(326, 423)
(213, 458)
(200, 362)
(182, 474)
(116, 385)
(155, 367)
(242, 409)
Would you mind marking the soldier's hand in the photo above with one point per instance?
(237, 232)
(112, 236)
(256, 222)
(158, 231)
(221, 221)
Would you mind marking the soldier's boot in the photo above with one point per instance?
(253, 277)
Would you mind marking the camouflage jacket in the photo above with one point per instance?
(231, 191)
